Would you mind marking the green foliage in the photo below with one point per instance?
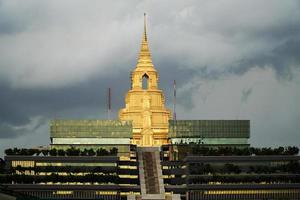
(71, 152)
(84, 152)
(9, 152)
(61, 152)
(88, 152)
(102, 152)
(292, 167)
(53, 152)
(2, 166)
(232, 151)
(243, 178)
(5, 178)
(276, 151)
(231, 168)
(113, 151)
(91, 152)
(55, 178)
(200, 168)
(16, 151)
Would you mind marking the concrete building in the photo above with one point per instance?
(146, 154)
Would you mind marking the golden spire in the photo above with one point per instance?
(144, 59)
(145, 29)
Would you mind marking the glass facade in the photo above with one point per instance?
(121, 148)
(209, 129)
(90, 129)
(111, 164)
(210, 141)
(72, 194)
(103, 141)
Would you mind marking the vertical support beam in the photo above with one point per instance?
(174, 100)
(108, 103)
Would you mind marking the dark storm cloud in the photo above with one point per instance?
(10, 131)
(13, 21)
(282, 59)
(57, 58)
(7, 26)
(18, 106)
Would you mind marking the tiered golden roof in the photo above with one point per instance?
(144, 59)
(145, 105)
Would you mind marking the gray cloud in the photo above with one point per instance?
(245, 94)
(10, 131)
(83, 100)
(57, 58)
(282, 59)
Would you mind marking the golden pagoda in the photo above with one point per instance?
(145, 103)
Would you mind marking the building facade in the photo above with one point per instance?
(146, 155)
(237, 175)
(73, 177)
(92, 134)
(210, 132)
(199, 173)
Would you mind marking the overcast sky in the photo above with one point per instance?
(231, 60)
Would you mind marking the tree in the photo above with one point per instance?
(91, 152)
(292, 150)
(54, 178)
(16, 151)
(97, 169)
(9, 152)
(2, 165)
(293, 167)
(72, 152)
(84, 152)
(23, 152)
(61, 152)
(102, 152)
(231, 168)
(53, 152)
(31, 152)
(113, 151)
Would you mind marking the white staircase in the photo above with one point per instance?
(151, 180)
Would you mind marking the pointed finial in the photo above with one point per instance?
(145, 28)
(144, 59)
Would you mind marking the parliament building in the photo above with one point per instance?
(146, 154)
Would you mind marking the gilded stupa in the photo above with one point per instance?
(145, 102)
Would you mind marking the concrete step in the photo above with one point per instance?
(150, 172)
